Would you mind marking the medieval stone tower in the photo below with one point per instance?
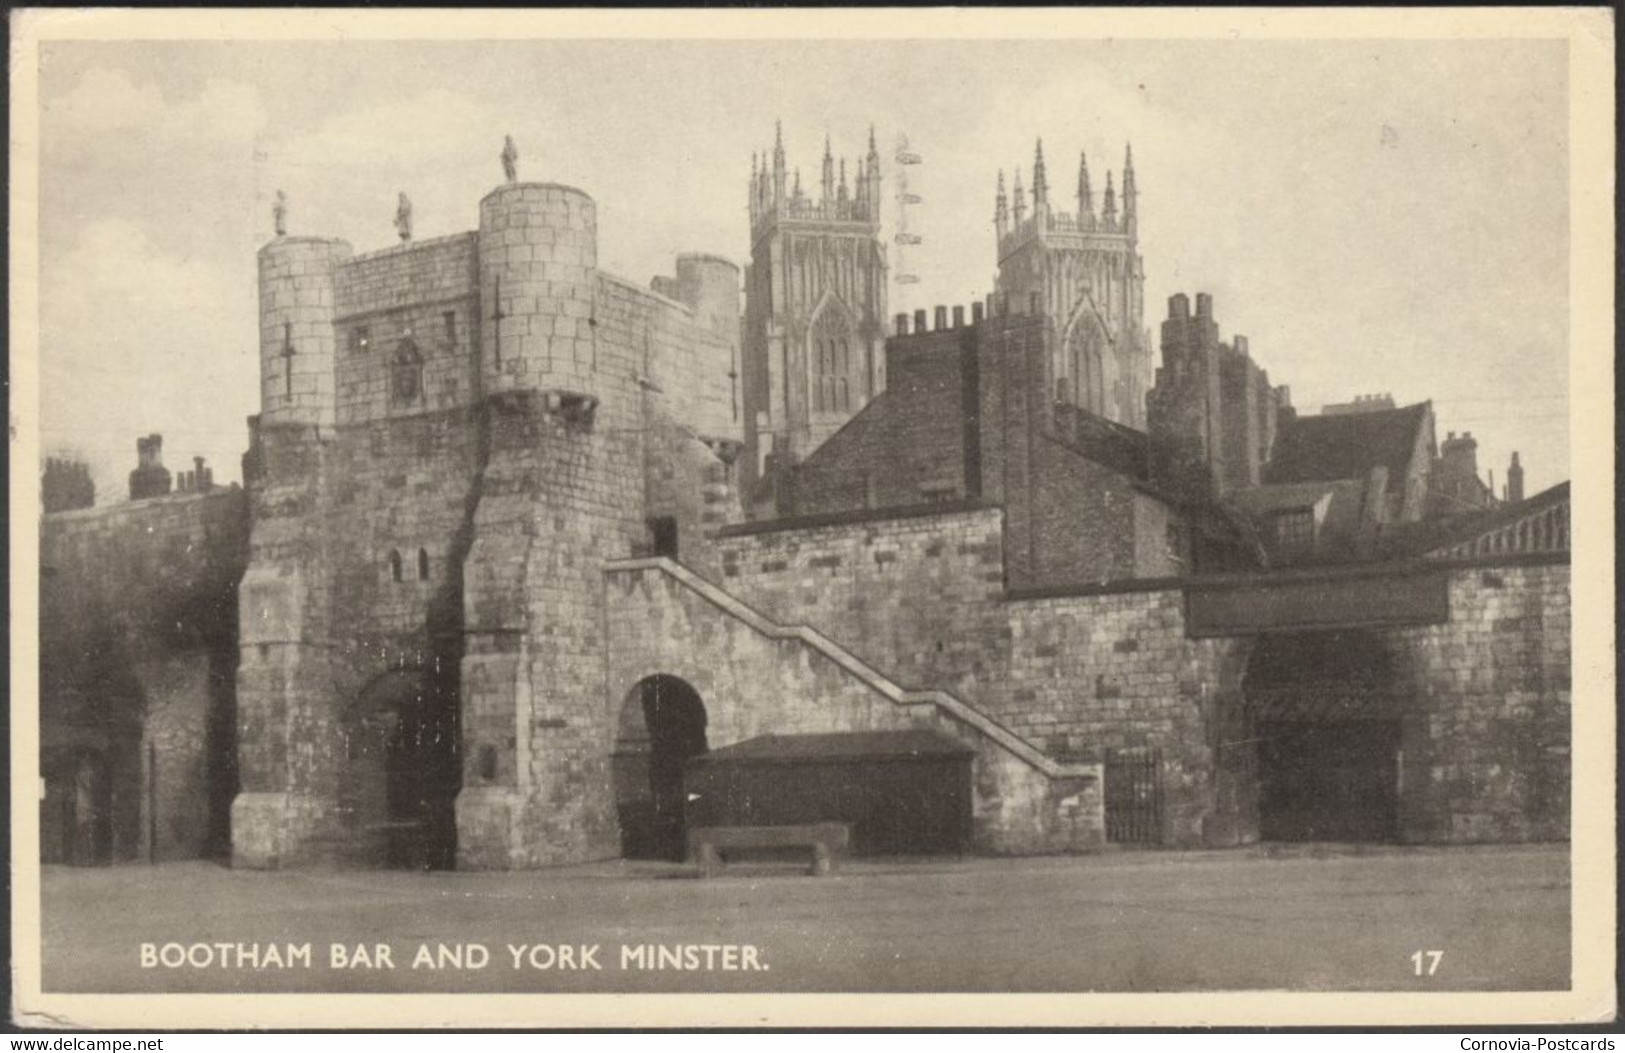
(1083, 271)
(815, 306)
(455, 435)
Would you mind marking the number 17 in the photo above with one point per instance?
(1433, 958)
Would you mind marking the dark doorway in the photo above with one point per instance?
(651, 798)
(1331, 781)
(76, 814)
(1325, 709)
(402, 774)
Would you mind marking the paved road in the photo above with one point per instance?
(1244, 920)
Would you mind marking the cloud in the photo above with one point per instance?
(107, 103)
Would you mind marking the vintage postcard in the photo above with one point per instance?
(1003, 517)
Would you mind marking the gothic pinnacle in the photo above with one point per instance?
(1129, 192)
(872, 151)
(1109, 212)
(1086, 197)
(1040, 181)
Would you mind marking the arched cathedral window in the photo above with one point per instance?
(830, 361)
(1085, 347)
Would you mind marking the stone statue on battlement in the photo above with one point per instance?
(279, 213)
(403, 218)
(510, 159)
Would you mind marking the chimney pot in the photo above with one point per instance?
(939, 317)
(919, 320)
(976, 313)
(902, 323)
(959, 316)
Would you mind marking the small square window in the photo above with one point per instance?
(1295, 529)
(360, 339)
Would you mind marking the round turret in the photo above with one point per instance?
(296, 329)
(538, 266)
(709, 285)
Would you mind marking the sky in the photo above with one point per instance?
(1375, 216)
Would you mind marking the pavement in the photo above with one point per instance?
(1318, 918)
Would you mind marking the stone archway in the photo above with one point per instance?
(1326, 715)
(401, 773)
(662, 726)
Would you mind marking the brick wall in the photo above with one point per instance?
(1082, 523)
(906, 447)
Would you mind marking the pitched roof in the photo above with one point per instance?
(1430, 536)
(1347, 446)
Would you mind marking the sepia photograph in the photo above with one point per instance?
(987, 514)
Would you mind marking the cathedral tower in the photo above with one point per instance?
(1083, 271)
(815, 306)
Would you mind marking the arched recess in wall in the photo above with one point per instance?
(400, 772)
(834, 360)
(1087, 359)
(1332, 726)
(661, 727)
(406, 374)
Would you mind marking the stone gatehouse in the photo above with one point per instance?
(518, 539)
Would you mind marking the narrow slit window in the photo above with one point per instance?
(423, 564)
(394, 565)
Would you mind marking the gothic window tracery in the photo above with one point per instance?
(830, 361)
(1085, 347)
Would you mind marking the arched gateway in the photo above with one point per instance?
(662, 726)
(1327, 721)
(400, 782)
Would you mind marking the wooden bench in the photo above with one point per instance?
(707, 843)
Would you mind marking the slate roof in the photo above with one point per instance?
(1347, 446)
(847, 745)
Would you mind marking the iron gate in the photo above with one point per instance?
(1134, 796)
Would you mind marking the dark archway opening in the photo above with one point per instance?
(1325, 718)
(76, 813)
(662, 728)
(402, 774)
